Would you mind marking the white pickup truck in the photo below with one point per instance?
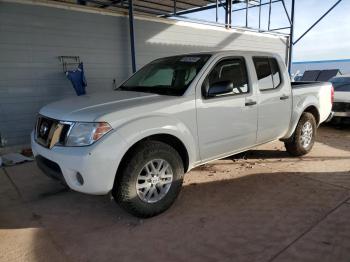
(172, 115)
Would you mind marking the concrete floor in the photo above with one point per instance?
(268, 207)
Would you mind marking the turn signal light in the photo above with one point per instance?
(101, 129)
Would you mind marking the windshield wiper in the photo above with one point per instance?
(159, 89)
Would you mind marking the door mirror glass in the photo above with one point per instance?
(220, 88)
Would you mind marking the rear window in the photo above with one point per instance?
(268, 72)
(276, 75)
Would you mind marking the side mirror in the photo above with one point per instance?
(220, 88)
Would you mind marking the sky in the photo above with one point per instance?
(329, 40)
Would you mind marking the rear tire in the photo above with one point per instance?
(304, 135)
(143, 186)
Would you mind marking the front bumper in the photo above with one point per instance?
(97, 164)
(50, 168)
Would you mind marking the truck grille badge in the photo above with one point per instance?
(44, 128)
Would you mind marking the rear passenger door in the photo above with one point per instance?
(227, 122)
(274, 99)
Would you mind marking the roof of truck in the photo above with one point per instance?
(250, 52)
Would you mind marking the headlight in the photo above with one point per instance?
(84, 134)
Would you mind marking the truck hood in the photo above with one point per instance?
(342, 97)
(88, 108)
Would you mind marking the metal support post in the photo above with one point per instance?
(132, 37)
(291, 38)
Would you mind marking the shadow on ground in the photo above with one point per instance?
(252, 218)
(262, 205)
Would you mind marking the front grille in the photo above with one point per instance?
(341, 107)
(50, 132)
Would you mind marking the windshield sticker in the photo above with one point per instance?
(190, 59)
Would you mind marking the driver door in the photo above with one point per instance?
(227, 122)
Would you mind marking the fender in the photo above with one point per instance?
(300, 106)
(137, 129)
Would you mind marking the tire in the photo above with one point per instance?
(145, 159)
(296, 146)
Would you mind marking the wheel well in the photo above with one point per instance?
(165, 138)
(174, 142)
(313, 110)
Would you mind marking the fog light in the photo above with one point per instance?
(80, 178)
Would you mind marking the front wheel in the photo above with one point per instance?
(304, 135)
(150, 179)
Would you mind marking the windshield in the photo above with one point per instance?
(341, 84)
(167, 76)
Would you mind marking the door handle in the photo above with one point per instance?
(250, 103)
(284, 97)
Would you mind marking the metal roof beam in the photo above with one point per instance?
(112, 3)
(319, 20)
(155, 10)
(141, 9)
(285, 10)
(161, 4)
(187, 3)
(207, 7)
(100, 3)
(253, 6)
(279, 28)
(222, 4)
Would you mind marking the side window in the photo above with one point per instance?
(263, 72)
(268, 73)
(231, 70)
(276, 74)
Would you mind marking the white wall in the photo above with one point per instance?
(33, 36)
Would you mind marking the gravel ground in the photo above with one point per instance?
(259, 206)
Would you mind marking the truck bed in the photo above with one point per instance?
(321, 91)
